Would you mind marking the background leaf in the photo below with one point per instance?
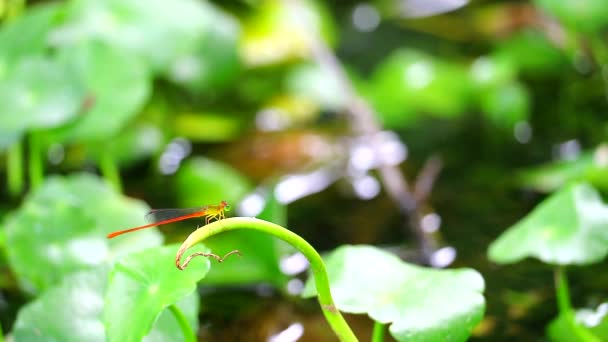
(117, 84)
(569, 227)
(37, 93)
(422, 304)
(201, 181)
(62, 227)
(73, 309)
(142, 285)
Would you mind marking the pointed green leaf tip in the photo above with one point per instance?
(423, 304)
(569, 227)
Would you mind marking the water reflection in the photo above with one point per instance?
(366, 18)
(174, 153)
(292, 333)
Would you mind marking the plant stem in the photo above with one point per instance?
(110, 171)
(378, 333)
(36, 163)
(563, 293)
(565, 306)
(14, 169)
(189, 335)
(333, 316)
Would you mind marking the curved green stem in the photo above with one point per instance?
(14, 169)
(110, 170)
(378, 333)
(189, 335)
(565, 307)
(36, 161)
(333, 316)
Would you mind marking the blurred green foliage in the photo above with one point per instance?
(110, 86)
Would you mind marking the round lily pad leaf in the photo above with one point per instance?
(142, 285)
(72, 311)
(156, 30)
(38, 93)
(201, 181)
(68, 311)
(410, 82)
(569, 227)
(26, 35)
(62, 227)
(214, 60)
(118, 86)
(422, 304)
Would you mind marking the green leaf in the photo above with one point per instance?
(118, 85)
(157, 30)
(208, 126)
(569, 227)
(278, 31)
(590, 166)
(27, 34)
(201, 181)
(531, 52)
(591, 323)
(506, 105)
(552, 176)
(423, 304)
(73, 309)
(214, 61)
(69, 311)
(142, 285)
(62, 227)
(410, 82)
(37, 93)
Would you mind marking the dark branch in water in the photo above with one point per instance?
(364, 123)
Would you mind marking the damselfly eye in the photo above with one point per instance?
(225, 205)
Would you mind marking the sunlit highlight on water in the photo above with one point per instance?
(292, 333)
(366, 187)
(55, 154)
(431, 222)
(294, 187)
(443, 257)
(569, 150)
(366, 18)
(522, 132)
(252, 205)
(294, 264)
(419, 75)
(173, 155)
(295, 287)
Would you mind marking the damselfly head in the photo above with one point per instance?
(225, 205)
